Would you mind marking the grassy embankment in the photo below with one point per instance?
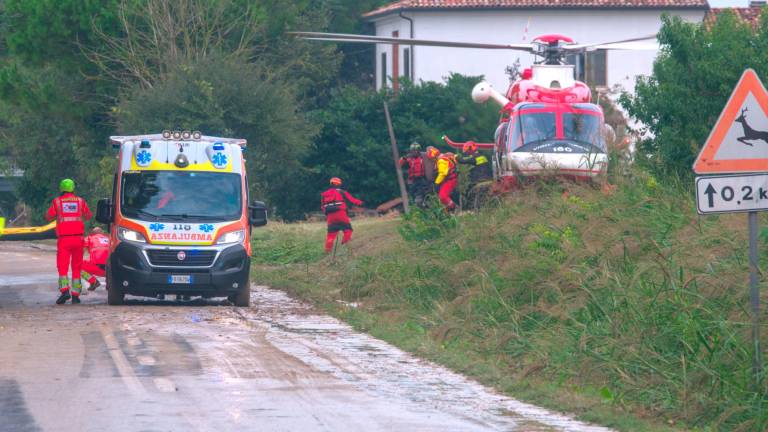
(626, 309)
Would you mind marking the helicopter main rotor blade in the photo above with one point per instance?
(629, 46)
(607, 45)
(341, 37)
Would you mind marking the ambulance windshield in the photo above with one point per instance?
(181, 195)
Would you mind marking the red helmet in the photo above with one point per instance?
(432, 152)
(469, 147)
(335, 181)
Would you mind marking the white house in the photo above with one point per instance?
(519, 21)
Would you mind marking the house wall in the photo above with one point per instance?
(584, 26)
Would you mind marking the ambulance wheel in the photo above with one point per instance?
(242, 298)
(115, 295)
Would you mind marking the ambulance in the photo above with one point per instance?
(180, 218)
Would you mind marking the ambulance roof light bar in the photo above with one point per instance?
(117, 140)
(182, 135)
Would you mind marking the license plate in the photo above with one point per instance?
(180, 279)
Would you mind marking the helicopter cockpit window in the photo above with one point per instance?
(583, 128)
(533, 127)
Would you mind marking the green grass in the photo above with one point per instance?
(626, 309)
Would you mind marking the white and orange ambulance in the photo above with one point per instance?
(180, 217)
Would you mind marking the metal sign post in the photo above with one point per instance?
(754, 298)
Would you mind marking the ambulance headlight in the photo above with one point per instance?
(231, 237)
(130, 235)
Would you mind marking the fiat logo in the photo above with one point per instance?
(181, 256)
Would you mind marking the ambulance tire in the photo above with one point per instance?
(242, 298)
(115, 295)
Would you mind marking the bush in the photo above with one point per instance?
(354, 144)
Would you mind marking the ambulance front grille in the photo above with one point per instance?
(181, 258)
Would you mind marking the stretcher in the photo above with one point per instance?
(27, 233)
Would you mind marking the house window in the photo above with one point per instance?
(407, 63)
(383, 70)
(591, 68)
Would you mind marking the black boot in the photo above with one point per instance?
(75, 299)
(94, 285)
(63, 297)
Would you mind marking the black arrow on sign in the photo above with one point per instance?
(710, 192)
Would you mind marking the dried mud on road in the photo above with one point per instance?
(203, 366)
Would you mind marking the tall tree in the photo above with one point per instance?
(231, 97)
(693, 76)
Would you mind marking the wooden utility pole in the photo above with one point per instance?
(396, 158)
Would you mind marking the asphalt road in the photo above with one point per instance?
(207, 366)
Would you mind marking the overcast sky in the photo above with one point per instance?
(726, 3)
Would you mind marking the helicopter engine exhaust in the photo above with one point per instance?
(483, 91)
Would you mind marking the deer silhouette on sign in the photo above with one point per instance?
(749, 133)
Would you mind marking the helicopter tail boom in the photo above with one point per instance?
(460, 145)
(483, 91)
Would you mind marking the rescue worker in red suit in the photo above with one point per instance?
(97, 245)
(333, 202)
(446, 176)
(417, 180)
(70, 212)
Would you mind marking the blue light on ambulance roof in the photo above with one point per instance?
(218, 145)
(145, 144)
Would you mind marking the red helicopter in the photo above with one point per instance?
(548, 124)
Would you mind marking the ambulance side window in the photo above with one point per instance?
(247, 191)
(114, 201)
(248, 204)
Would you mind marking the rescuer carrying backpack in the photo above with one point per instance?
(446, 176)
(333, 202)
(70, 211)
(417, 179)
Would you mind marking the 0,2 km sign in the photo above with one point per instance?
(732, 193)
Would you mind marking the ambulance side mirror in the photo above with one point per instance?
(257, 214)
(105, 211)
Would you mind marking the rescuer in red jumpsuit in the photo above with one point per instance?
(97, 245)
(70, 212)
(333, 202)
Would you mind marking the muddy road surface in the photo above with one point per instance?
(207, 366)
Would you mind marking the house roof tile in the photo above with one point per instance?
(411, 5)
(750, 15)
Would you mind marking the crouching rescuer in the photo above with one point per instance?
(97, 244)
(333, 203)
(70, 212)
